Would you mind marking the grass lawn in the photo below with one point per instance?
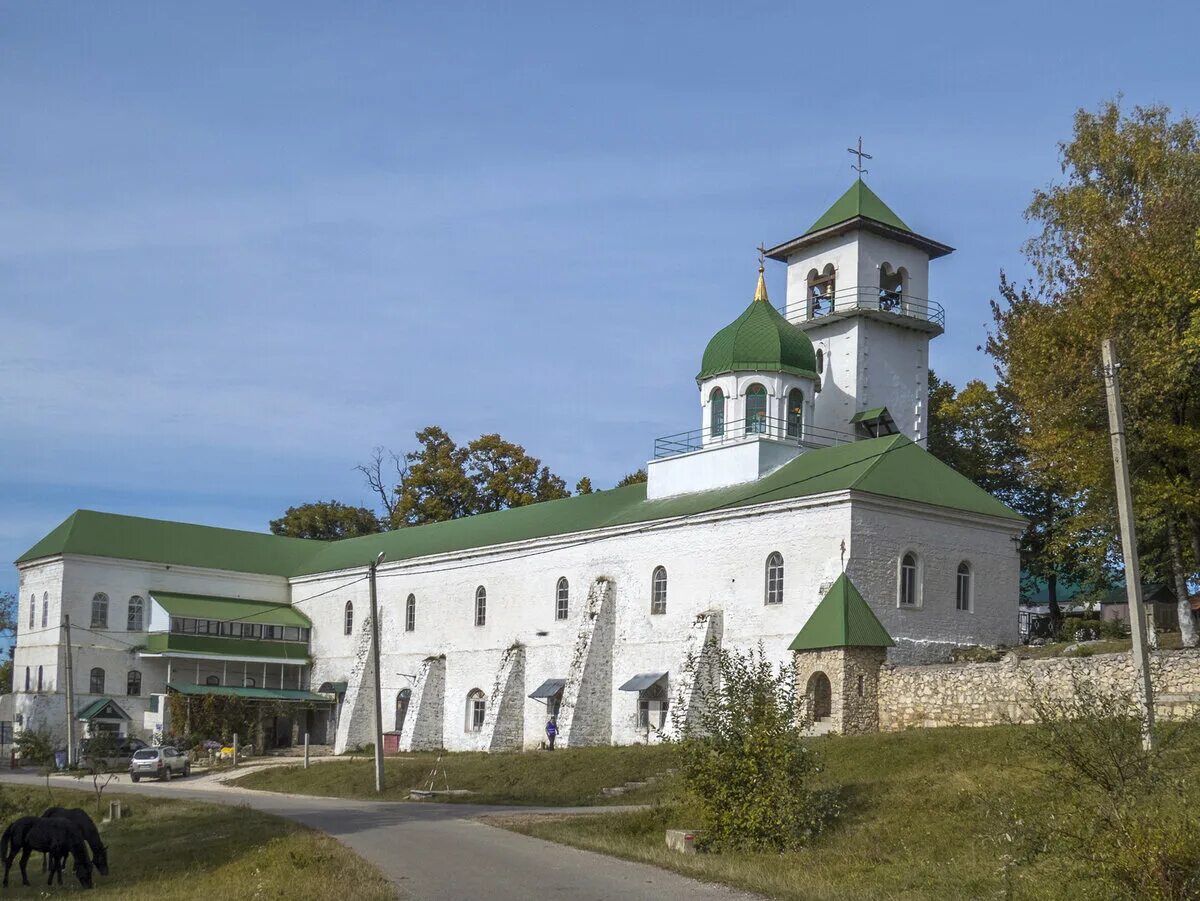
(921, 821)
(1167, 641)
(183, 849)
(558, 778)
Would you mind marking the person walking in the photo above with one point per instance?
(551, 732)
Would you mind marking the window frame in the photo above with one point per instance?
(964, 601)
(33, 610)
(403, 700)
(914, 601)
(410, 613)
(773, 582)
(100, 606)
(562, 599)
(716, 413)
(348, 618)
(658, 591)
(794, 424)
(476, 712)
(480, 606)
(40, 682)
(45, 609)
(97, 676)
(756, 419)
(135, 622)
(133, 683)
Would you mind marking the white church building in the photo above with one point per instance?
(806, 462)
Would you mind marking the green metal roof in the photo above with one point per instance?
(253, 694)
(759, 340)
(230, 609)
(868, 415)
(104, 709)
(842, 620)
(859, 200)
(182, 544)
(213, 646)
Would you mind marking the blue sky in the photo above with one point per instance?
(242, 244)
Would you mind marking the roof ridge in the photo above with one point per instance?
(888, 448)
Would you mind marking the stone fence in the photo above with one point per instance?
(982, 694)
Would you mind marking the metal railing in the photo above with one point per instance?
(788, 430)
(866, 298)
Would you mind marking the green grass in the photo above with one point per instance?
(559, 778)
(170, 849)
(1167, 641)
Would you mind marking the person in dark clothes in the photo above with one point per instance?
(551, 732)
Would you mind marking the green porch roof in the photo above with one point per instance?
(239, 648)
(253, 694)
(868, 415)
(102, 709)
(842, 620)
(197, 606)
(859, 200)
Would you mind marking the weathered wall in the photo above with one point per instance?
(982, 694)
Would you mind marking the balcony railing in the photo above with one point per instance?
(878, 300)
(787, 430)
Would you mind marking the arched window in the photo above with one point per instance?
(480, 606)
(658, 590)
(410, 615)
(476, 710)
(908, 580)
(820, 696)
(99, 610)
(96, 682)
(32, 609)
(820, 361)
(402, 700)
(45, 609)
(134, 620)
(716, 413)
(248, 682)
(27, 683)
(962, 595)
(133, 683)
(348, 618)
(756, 409)
(795, 413)
(775, 578)
(212, 680)
(39, 678)
(821, 290)
(562, 599)
(891, 287)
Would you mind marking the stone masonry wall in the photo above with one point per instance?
(422, 729)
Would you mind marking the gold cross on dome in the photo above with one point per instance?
(861, 156)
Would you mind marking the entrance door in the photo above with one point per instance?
(820, 692)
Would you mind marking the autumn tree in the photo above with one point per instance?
(8, 633)
(504, 475)
(634, 478)
(1117, 255)
(327, 520)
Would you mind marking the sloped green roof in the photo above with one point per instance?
(759, 340)
(182, 544)
(859, 200)
(229, 609)
(868, 415)
(213, 646)
(842, 620)
(103, 708)
(253, 694)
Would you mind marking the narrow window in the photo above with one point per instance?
(562, 599)
(133, 683)
(756, 410)
(134, 620)
(402, 700)
(348, 621)
(891, 288)
(27, 672)
(99, 610)
(45, 609)
(716, 405)
(658, 590)
(822, 290)
(861, 686)
(820, 361)
(39, 678)
(963, 594)
(96, 682)
(775, 578)
(480, 606)
(795, 413)
(410, 615)
(212, 680)
(476, 710)
(908, 581)
(32, 609)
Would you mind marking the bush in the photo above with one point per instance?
(743, 759)
(35, 747)
(1075, 628)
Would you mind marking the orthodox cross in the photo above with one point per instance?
(762, 254)
(861, 156)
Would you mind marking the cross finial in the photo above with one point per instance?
(861, 156)
(762, 255)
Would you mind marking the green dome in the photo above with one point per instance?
(759, 340)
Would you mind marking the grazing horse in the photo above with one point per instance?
(57, 837)
(91, 834)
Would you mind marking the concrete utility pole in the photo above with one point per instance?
(70, 694)
(1133, 578)
(375, 666)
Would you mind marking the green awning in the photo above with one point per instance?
(195, 606)
(233, 648)
(251, 694)
(103, 709)
(868, 415)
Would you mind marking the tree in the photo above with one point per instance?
(326, 520)
(1117, 256)
(434, 486)
(8, 633)
(504, 476)
(584, 486)
(633, 478)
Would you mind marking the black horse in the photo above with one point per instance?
(91, 834)
(57, 837)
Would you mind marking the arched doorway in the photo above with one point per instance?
(402, 700)
(820, 696)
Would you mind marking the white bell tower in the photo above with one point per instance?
(858, 285)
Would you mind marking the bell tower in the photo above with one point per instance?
(858, 285)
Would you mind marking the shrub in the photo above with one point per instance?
(1076, 628)
(743, 759)
(35, 747)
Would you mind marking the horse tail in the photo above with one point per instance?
(6, 842)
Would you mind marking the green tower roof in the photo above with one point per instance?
(760, 339)
(842, 620)
(859, 200)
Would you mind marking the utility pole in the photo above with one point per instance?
(1133, 578)
(70, 695)
(375, 665)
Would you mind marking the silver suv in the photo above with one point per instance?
(161, 763)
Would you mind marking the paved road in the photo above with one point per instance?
(442, 851)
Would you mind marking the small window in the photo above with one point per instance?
(716, 412)
(28, 684)
(476, 710)
(820, 361)
(348, 622)
(33, 610)
(134, 619)
(39, 679)
(562, 599)
(775, 578)
(410, 615)
(480, 606)
(45, 609)
(154, 703)
(652, 708)
(962, 595)
(96, 682)
(756, 410)
(908, 580)
(822, 290)
(212, 680)
(658, 590)
(402, 699)
(248, 682)
(795, 413)
(133, 683)
(291, 633)
(99, 611)
(861, 686)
